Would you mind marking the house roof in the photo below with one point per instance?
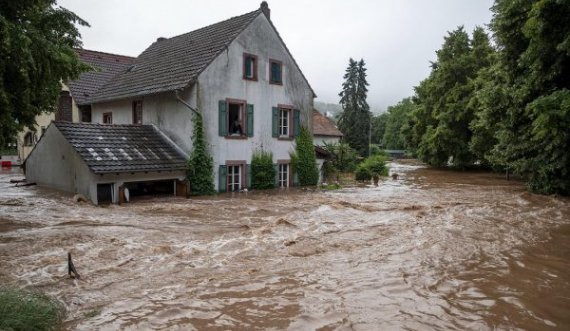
(324, 126)
(108, 148)
(174, 63)
(106, 67)
(171, 64)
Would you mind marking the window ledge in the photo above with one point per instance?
(236, 137)
(276, 83)
(285, 138)
(250, 79)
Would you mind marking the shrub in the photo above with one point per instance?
(262, 170)
(362, 173)
(372, 166)
(27, 310)
(342, 156)
(304, 160)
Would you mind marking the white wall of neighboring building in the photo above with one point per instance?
(321, 140)
(42, 122)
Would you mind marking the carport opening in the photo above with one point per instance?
(138, 190)
(104, 194)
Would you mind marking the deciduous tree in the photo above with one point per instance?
(37, 41)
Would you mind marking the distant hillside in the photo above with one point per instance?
(329, 109)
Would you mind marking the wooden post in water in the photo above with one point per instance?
(71, 267)
(508, 177)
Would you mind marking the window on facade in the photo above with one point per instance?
(284, 121)
(275, 72)
(236, 118)
(234, 178)
(137, 112)
(249, 67)
(107, 118)
(85, 113)
(30, 138)
(283, 175)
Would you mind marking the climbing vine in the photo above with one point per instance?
(199, 169)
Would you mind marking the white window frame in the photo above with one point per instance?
(234, 179)
(284, 174)
(284, 122)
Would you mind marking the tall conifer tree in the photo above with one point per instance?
(354, 121)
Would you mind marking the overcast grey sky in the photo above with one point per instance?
(396, 38)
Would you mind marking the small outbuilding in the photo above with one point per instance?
(108, 163)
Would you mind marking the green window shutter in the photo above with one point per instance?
(249, 117)
(276, 167)
(296, 122)
(248, 176)
(222, 118)
(275, 122)
(223, 180)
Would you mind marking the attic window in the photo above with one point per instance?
(275, 72)
(249, 66)
(131, 67)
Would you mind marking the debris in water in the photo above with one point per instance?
(79, 198)
(12, 202)
(284, 221)
(71, 268)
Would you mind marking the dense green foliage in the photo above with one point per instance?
(36, 51)
(372, 166)
(440, 128)
(530, 84)
(200, 165)
(506, 107)
(304, 160)
(378, 129)
(354, 121)
(22, 310)
(262, 170)
(341, 158)
(396, 119)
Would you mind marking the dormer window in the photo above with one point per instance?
(275, 72)
(249, 67)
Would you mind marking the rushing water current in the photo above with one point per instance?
(433, 250)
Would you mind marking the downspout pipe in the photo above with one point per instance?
(177, 94)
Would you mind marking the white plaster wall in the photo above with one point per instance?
(54, 163)
(321, 140)
(223, 79)
(163, 110)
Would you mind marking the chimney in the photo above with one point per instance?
(160, 39)
(265, 9)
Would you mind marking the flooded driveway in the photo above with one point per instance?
(434, 250)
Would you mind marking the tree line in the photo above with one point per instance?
(499, 100)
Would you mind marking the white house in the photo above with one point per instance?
(237, 73)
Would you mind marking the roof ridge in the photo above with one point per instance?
(106, 53)
(211, 25)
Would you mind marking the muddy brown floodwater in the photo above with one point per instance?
(434, 250)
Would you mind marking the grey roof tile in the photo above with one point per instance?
(108, 148)
(106, 67)
(174, 63)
